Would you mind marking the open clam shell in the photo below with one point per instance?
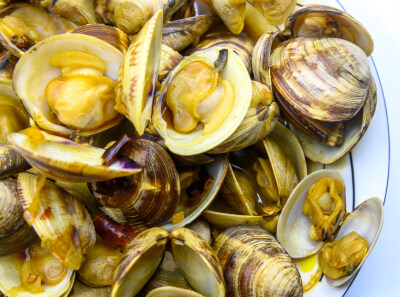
(196, 142)
(62, 222)
(64, 159)
(197, 262)
(172, 292)
(217, 171)
(138, 74)
(294, 225)
(316, 20)
(15, 233)
(139, 262)
(367, 220)
(10, 283)
(33, 73)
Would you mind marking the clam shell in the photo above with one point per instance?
(355, 128)
(10, 283)
(15, 233)
(11, 161)
(72, 162)
(81, 290)
(322, 78)
(139, 262)
(338, 24)
(293, 225)
(275, 12)
(169, 58)
(217, 170)
(367, 220)
(182, 33)
(197, 262)
(255, 264)
(172, 292)
(81, 12)
(34, 71)
(196, 142)
(138, 74)
(148, 198)
(232, 13)
(62, 222)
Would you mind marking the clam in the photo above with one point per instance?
(23, 24)
(255, 24)
(148, 198)
(130, 16)
(316, 20)
(99, 266)
(204, 191)
(15, 233)
(366, 222)
(11, 161)
(172, 292)
(34, 272)
(188, 126)
(320, 152)
(62, 222)
(81, 12)
(255, 264)
(73, 161)
(146, 250)
(232, 13)
(221, 38)
(294, 227)
(182, 33)
(138, 74)
(12, 114)
(275, 12)
(48, 78)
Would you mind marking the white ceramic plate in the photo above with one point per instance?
(365, 174)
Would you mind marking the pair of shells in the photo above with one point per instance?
(193, 256)
(317, 99)
(293, 226)
(288, 165)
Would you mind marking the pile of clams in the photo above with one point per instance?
(160, 148)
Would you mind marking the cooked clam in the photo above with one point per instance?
(188, 126)
(302, 235)
(15, 233)
(34, 272)
(81, 290)
(23, 24)
(275, 12)
(255, 264)
(172, 292)
(73, 162)
(62, 222)
(232, 13)
(81, 12)
(11, 161)
(52, 77)
(148, 198)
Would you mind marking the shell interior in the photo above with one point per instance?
(367, 221)
(293, 225)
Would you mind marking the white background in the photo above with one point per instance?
(380, 275)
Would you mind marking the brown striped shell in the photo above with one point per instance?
(255, 264)
(148, 198)
(15, 233)
(11, 161)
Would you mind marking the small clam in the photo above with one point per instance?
(81, 12)
(15, 233)
(34, 272)
(11, 161)
(24, 24)
(188, 126)
(193, 257)
(232, 13)
(294, 226)
(138, 74)
(148, 198)
(366, 221)
(316, 20)
(255, 264)
(62, 222)
(73, 161)
(50, 77)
